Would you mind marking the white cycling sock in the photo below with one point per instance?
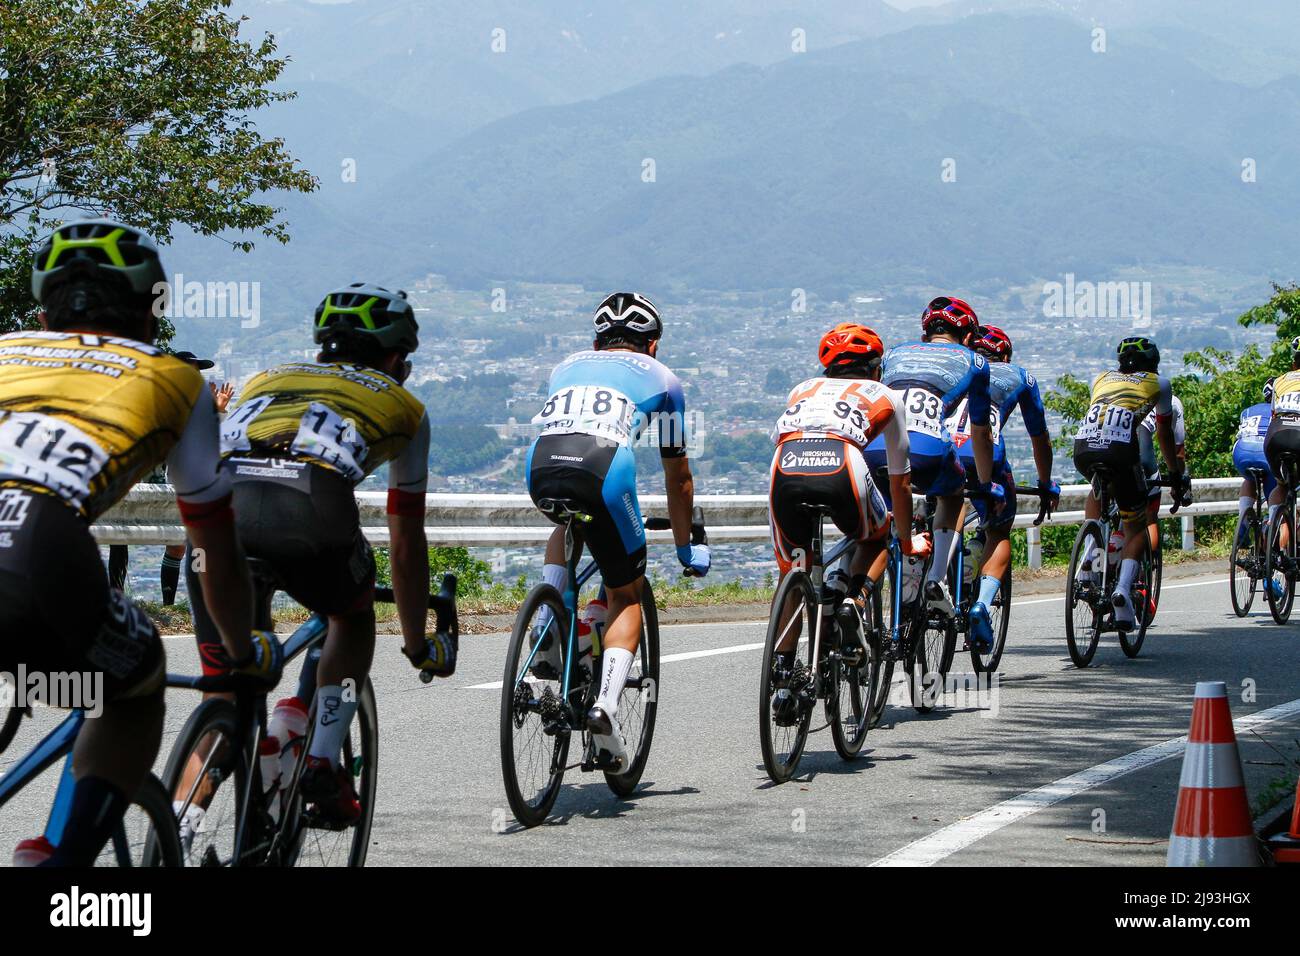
(1244, 504)
(616, 662)
(945, 542)
(334, 713)
(1128, 569)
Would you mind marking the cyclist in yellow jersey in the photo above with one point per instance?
(1108, 437)
(297, 442)
(87, 408)
(1282, 441)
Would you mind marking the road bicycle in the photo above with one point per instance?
(542, 709)
(1090, 582)
(840, 665)
(1281, 566)
(147, 835)
(1249, 564)
(216, 761)
(986, 661)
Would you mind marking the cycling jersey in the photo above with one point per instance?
(855, 410)
(820, 438)
(600, 403)
(1248, 449)
(1147, 435)
(1108, 435)
(615, 395)
(83, 417)
(933, 377)
(1117, 406)
(1282, 441)
(348, 418)
(1010, 387)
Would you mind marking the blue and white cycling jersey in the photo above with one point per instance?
(604, 402)
(934, 379)
(1248, 449)
(1010, 387)
(615, 395)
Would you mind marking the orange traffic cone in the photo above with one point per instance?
(1285, 847)
(1212, 825)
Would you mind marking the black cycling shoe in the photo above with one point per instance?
(852, 647)
(937, 597)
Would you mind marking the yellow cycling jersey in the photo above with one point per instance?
(1118, 404)
(1286, 394)
(83, 417)
(348, 418)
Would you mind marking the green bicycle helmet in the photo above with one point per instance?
(1137, 353)
(98, 249)
(370, 312)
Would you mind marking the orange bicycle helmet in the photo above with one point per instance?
(850, 344)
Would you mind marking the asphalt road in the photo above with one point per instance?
(919, 792)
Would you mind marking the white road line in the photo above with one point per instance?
(957, 836)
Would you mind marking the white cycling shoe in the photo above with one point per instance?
(607, 736)
(1125, 619)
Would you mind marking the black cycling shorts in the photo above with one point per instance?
(601, 478)
(1128, 479)
(1282, 443)
(300, 521)
(57, 612)
(821, 471)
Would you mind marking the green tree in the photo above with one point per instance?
(138, 109)
(473, 576)
(1215, 388)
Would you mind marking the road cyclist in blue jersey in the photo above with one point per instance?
(601, 402)
(1010, 387)
(935, 376)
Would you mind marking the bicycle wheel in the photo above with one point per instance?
(783, 743)
(312, 839)
(1243, 571)
(1157, 575)
(204, 771)
(1083, 595)
(1143, 603)
(147, 835)
(883, 600)
(639, 702)
(854, 686)
(1281, 566)
(986, 662)
(933, 641)
(534, 728)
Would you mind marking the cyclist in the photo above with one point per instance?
(935, 376)
(1010, 387)
(299, 439)
(820, 440)
(600, 404)
(1108, 437)
(1147, 436)
(1248, 454)
(1282, 440)
(88, 407)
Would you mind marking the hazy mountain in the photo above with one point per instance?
(826, 168)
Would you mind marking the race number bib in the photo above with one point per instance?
(923, 411)
(959, 424)
(588, 410)
(1287, 403)
(326, 436)
(50, 452)
(1106, 425)
(234, 430)
(1248, 430)
(828, 411)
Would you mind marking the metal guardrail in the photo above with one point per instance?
(148, 515)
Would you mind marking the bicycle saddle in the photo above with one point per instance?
(561, 509)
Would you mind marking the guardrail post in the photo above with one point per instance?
(1189, 533)
(1034, 538)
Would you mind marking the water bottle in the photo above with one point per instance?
(591, 631)
(33, 852)
(912, 568)
(1115, 548)
(268, 758)
(971, 561)
(288, 725)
